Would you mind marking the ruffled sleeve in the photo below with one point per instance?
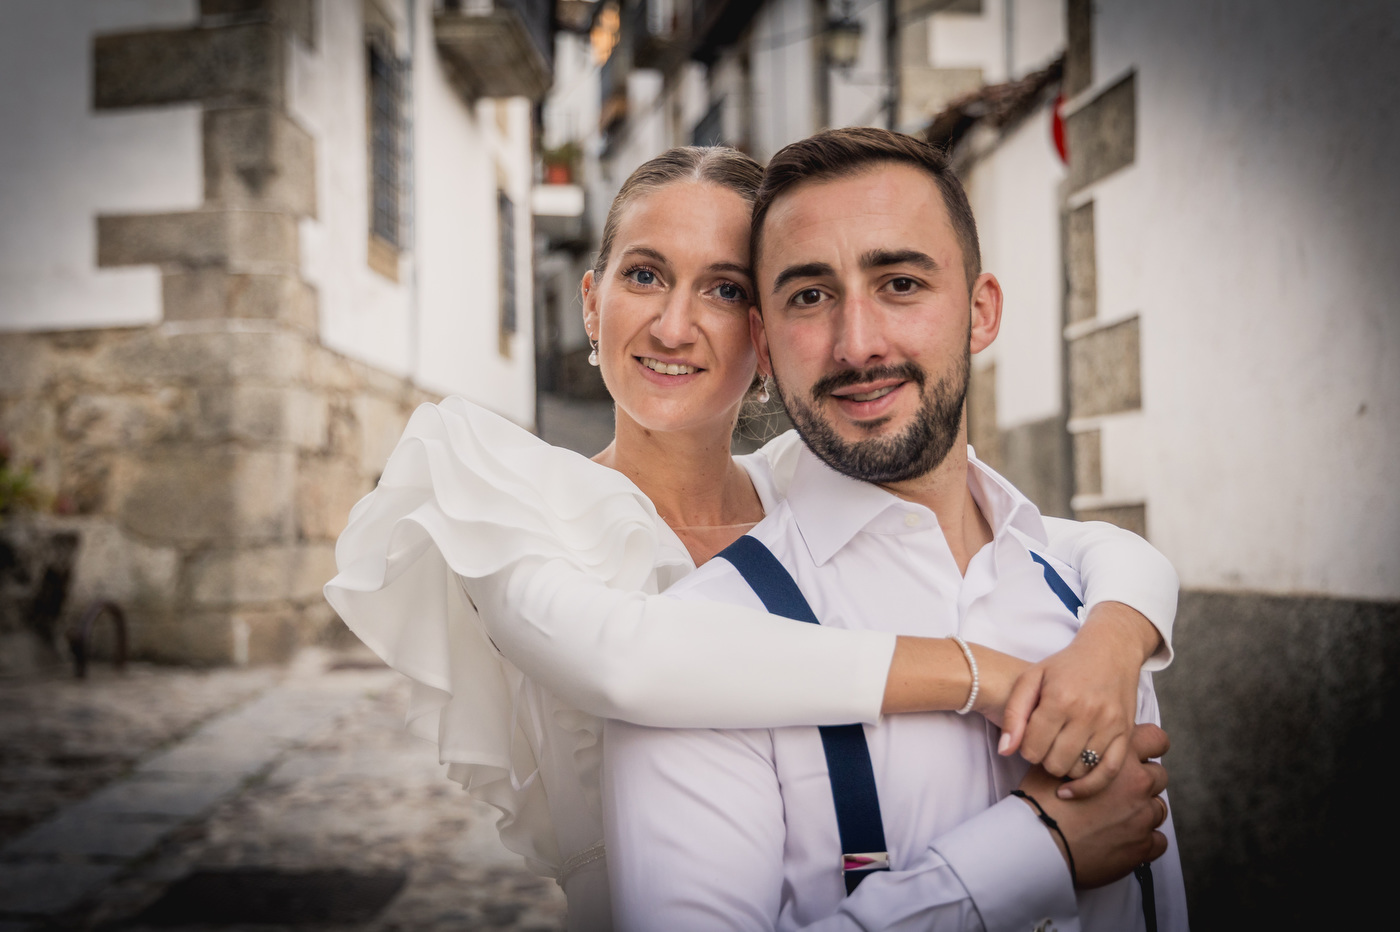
(485, 554)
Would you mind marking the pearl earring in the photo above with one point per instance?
(763, 392)
(593, 356)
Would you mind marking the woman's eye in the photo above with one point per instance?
(731, 292)
(643, 276)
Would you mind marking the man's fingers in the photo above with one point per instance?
(1163, 813)
(1150, 741)
(1068, 748)
(1025, 696)
(1158, 775)
(1101, 776)
(1158, 847)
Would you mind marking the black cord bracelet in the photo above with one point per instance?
(1053, 826)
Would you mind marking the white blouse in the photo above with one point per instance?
(515, 584)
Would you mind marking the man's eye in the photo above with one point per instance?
(903, 285)
(731, 292)
(807, 297)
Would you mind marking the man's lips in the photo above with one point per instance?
(870, 392)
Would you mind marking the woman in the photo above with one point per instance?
(514, 582)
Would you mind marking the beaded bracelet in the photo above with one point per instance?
(1055, 827)
(976, 681)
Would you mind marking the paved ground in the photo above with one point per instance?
(178, 799)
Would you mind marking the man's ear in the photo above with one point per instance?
(760, 341)
(985, 311)
(590, 305)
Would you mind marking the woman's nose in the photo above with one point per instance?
(675, 325)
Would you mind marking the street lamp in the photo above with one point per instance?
(842, 38)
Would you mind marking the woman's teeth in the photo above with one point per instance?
(667, 368)
(871, 396)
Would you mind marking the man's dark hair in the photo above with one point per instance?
(840, 153)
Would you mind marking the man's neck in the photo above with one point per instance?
(946, 493)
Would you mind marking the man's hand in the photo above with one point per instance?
(1083, 697)
(1114, 831)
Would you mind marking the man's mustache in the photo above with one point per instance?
(847, 377)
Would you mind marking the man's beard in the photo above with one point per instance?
(919, 450)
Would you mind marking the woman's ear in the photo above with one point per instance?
(760, 341)
(590, 305)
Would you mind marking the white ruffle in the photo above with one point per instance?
(466, 493)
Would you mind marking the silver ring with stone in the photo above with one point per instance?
(1089, 758)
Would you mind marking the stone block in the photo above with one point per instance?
(50, 887)
(189, 494)
(1130, 517)
(1102, 135)
(1280, 710)
(24, 364)
(1081, 264)
(328, 370)
(141, 578)
(156, 357)
(271, 636)
(259, 158)
(982, 430)
(1088, 467)
(1079, 50)
(327, 488)
(126, 420)
(271, 573)
(1105, 374)
(1036, 458)
(265, 415)
(29, 425)
(224, 238)
(229, 66)
(380, 424)
(297, 16)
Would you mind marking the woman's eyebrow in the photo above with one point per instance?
(734, 267)
(646, 251)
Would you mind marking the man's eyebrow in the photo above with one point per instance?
(879, 258)
(805, 270)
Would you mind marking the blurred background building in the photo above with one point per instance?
(240, 240)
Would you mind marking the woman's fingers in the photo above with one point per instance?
(1096, 780)
(1025, 698)
(1068, 746)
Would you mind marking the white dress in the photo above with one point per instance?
(514, 583)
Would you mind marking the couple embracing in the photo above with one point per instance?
(881, 690)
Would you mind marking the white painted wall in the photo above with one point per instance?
(439, 322)
(782, 71)
(1256, 235)
(62, 164)
(1015, 198)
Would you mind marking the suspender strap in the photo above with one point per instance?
(1143, 872)
(858, 817)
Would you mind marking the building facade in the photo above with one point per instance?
(240, 241)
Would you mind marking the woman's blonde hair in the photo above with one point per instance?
(719, 165)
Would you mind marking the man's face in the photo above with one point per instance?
(868, 322)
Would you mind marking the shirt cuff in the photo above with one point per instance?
(1160, 612)
(1012, 869)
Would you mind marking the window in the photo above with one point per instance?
(505, 224)
(384, 119)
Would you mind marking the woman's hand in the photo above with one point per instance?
(1082, 698)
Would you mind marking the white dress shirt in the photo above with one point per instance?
(737, 829)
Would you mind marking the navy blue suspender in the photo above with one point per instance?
(847, 756)
(858, 817)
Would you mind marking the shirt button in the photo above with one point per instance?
(911, 520)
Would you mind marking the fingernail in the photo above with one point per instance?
(1065, 792)
(1004, 744)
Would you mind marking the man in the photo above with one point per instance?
(873, 300)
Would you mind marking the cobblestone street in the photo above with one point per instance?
(165, 798)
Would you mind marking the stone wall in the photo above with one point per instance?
(207, 470)
(207, 464)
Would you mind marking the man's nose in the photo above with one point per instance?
(860, 333)
(675, 325)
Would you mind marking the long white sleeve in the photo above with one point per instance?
(1116, 565)
(658, 661)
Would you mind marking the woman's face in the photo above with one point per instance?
(671, 310)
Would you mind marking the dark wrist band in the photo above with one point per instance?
(1054, 827)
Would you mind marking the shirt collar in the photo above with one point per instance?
(829, 508)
